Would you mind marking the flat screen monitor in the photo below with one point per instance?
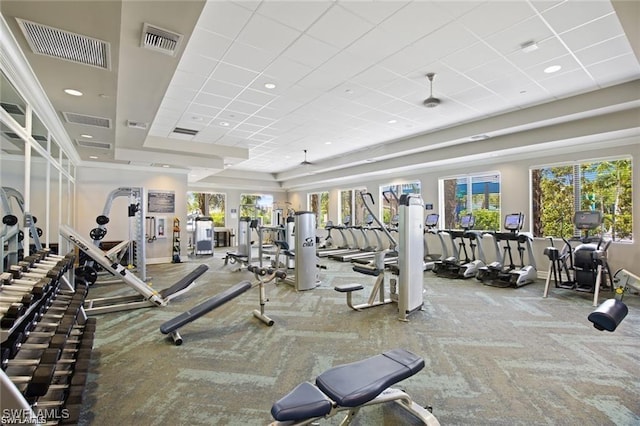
(431, 220)
(513, 221)
(467, 221)
(587, 219)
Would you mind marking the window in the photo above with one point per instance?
(559, 191)
(479, 195)
(207, 204)
(351, 205)
(318, 203)
(257, 206)
(389, 196)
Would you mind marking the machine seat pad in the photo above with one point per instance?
(348, 288)
(351, 385)
(185, 282)
(304, 402)
(367, 270)
(205, 307)
(236, 255)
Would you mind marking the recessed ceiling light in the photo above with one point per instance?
(349, 92)
(103, 96)
(552, 69)
(327, 143)
(392, 121)
(84, 135)
(479, 137)
(270, 85)
(73, 92)
(93, 157)
(224, 123)
(194, 118)
(166, 166)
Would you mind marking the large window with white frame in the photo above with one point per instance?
(257, 206)
(476, 194)
(558, 191)
(351, 205)
(390, 194)
(318, 203)
(207, 204)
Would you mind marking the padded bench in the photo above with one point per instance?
(351, 386)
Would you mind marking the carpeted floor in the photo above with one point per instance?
(493, 356)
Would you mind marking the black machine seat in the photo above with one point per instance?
(184, 282)
(348, 385)
(367, 269)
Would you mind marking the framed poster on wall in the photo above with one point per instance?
(161, 201)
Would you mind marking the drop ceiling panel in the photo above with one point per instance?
(494, 16)
(280, 36)
(224, 18)
(310, 51)
(249, 57)
(232, 74)
(221, 88)
(339, 27)
(415, 20)
(510, 40)
(374, 12)
(209, 44)
(603, 51)
(592, 33)
(571, 14)
(298, 15)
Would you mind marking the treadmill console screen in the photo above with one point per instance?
(431, 220)
(467, 221)
(587, 219)
(513, 222)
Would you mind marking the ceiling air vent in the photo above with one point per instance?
(184, 131)
(92, 144)
(137, 125)
(159, 39)
(87, 120)
(49, 41)
(12, 108)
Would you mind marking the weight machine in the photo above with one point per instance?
(146, 297)
(134, 248)
(11, 235)
(611, 312)
(407, 289)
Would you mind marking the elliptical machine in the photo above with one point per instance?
(449, 267)
(584, 265)
(503, 274)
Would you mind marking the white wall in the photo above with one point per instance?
(93, 186)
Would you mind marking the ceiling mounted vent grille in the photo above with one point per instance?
(93, 144)
(49, 41)
(159, 39)
(184, 131)
(137, 125)
(12, 108)
(87, 120)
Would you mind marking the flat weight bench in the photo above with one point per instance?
(351, 386)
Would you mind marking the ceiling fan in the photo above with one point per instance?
(305, 162)
(431, 102)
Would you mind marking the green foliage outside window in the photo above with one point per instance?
(605, 186)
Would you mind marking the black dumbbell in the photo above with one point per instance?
(25, 299)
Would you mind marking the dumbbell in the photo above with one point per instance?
(52, 270)
(13, 287)
(10, 313)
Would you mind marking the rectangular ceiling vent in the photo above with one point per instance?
(184, 131)
(15, 137)
(93, 144)
(49, 41)
(87, 120)
(12, 108)
(137, 125)
(159, 39)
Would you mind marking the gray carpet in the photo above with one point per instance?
(493, 356)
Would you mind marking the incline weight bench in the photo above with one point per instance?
(351, 386)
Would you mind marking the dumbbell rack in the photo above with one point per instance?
(46, 341)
